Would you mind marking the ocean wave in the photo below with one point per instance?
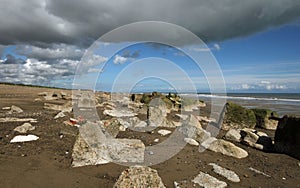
(243, 97)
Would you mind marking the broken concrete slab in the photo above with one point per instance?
(107, 150)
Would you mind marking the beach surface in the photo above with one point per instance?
(46, 162)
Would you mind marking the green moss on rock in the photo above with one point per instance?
(237, 116)
(262, 118)
(146, 99)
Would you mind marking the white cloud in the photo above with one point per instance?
(119, 59)
(200, 49)
(217, 47)
(246, 86)
(265, 82)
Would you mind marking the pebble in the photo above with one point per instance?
(164, 132)
(156, 140)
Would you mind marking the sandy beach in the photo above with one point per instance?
(47, 161)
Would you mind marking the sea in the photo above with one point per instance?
(282, 103)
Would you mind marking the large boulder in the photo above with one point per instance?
(224, 147)
(256, 139)
(287, 136)
(138, 176)
(237, 116)
(233, 135)
(157, 114)
(262, 119)
(84, 155)
(192, 129)
(250, 137)
(108, 150)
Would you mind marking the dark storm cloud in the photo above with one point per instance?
(12, 60)
(64, 21)
(55, 51)
(54, 34)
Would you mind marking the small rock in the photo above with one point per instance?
(21, 138)
(259, 172)
(156, 140)
(24, 128)
(191, 141)
(176, 185)
(6, 108)
(15, 109)
(164, 132)
(208, 181)
(228, 174)
(59, 115)
(182, 116)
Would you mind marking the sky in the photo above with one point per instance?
(256, 44)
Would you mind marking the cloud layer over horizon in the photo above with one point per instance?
(54, 34)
